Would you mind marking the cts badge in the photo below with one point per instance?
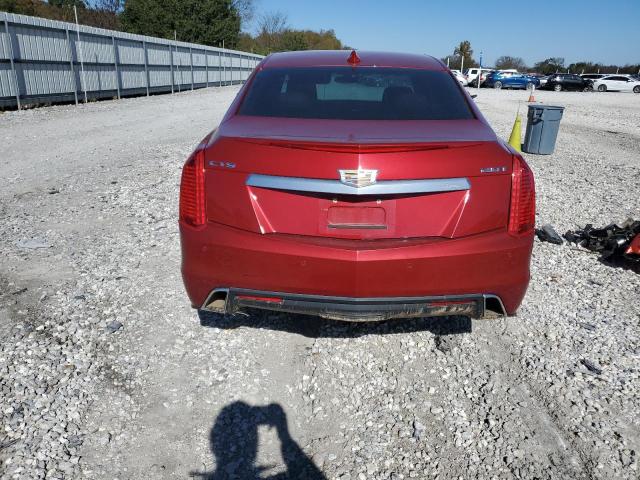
(493, 169)
(216, 163)
(358, 178)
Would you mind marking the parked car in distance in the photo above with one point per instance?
(356, 186)
(592, 76)
(567, 81)
(472, 75)
(617, 83)
(460, 77)
(500, 80)
(541, 78)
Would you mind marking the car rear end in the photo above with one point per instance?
(491, 79)
(483, 76)
(557, 82)
(356, 191)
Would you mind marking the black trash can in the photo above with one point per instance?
(543, 123)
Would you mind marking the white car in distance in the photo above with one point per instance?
(460, 77)
(472, 75)
(617, 83)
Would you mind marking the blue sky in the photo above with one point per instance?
(605, 31)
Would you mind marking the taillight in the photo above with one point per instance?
(192, 210)
(522, 211)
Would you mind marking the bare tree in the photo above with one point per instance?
(111, 6)
(273, 23)
(246, 10)
(271, 27)
(507, 62)
(103, 14)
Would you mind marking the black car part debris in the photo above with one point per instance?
(616, 243)
(548, 234)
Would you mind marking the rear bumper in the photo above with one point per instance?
(351, 273)
(230, 301)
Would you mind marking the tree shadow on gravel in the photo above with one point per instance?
(316, 327)
(234, 443)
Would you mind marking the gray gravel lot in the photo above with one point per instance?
(106, 372)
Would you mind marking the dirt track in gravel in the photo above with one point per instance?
(94, 189)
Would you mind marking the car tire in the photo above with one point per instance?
(588, 88)
(497, 85)
(557, 87)
(636, 89)
(529, 86)
(602, 88)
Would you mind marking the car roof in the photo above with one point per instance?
(334, 58)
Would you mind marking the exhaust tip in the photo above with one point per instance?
(493, 307)
(217, 301)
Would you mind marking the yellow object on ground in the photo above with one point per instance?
(516, 134)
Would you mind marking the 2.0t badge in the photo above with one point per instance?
(358, 178)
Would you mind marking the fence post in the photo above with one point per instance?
(146, 61)
(115, 64)
(13, 67)
(219, 68)
(73, 70)
(206, 66)
(171, 65)
(83, 80)
(178, 61)
(191, 62)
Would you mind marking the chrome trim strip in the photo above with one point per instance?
(389, 187)
(357, 226)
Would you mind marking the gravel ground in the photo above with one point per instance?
(105, 371)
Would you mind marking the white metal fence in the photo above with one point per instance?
(43, 61)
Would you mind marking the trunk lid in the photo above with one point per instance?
(283, 176)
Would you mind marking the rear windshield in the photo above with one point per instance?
(361, 93)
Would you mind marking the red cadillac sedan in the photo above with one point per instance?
(356, 186)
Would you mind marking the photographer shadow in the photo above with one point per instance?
(234, 442)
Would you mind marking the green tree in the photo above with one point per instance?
(584, 67)
(23, 7)
(507, 62)
(293, 40)
(463, 52)
(323, 40)
(209, 22)
(68, 3)
(247, 43)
